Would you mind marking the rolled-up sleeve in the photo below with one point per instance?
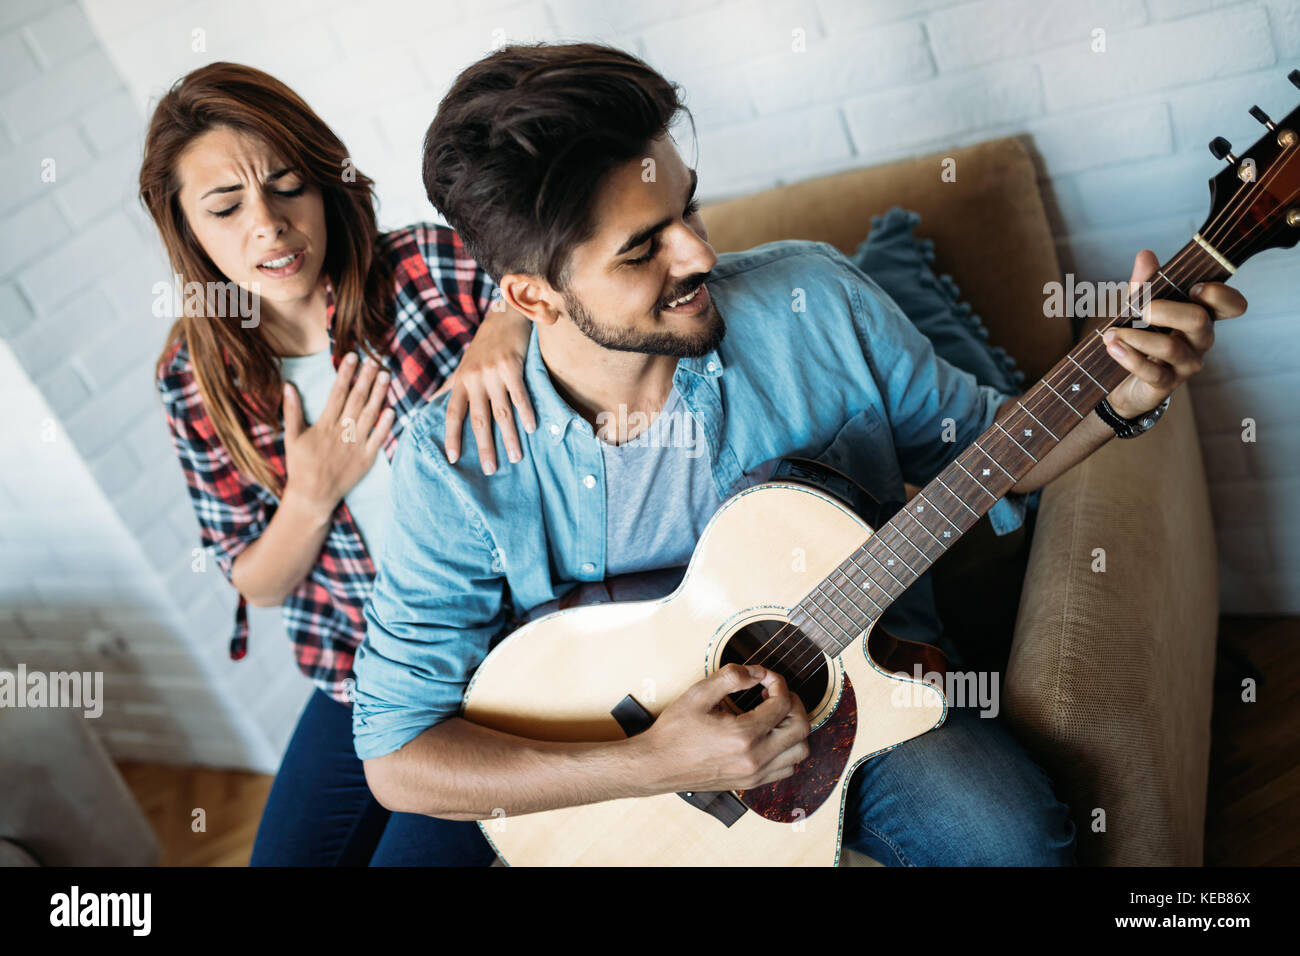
(437, 602)
(935, 409)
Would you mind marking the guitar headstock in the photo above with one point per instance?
(1255, 199)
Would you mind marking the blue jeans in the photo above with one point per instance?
(321, 813)
(966, 794)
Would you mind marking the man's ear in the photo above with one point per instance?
(530, 295)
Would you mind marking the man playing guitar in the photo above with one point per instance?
(555, 165)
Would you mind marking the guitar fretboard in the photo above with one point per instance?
(843, 605)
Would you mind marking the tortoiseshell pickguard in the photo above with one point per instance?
(797, 796)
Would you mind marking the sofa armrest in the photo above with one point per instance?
(1111, 673)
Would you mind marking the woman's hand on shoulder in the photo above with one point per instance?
(488, 385)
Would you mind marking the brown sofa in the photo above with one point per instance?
(1107, 674)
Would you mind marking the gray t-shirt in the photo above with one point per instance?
(659, 496)
(314, 375)
(659, 493)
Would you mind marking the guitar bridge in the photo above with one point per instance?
(723, 805)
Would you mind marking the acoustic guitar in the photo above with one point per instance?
(604, 672)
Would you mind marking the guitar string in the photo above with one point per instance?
(1174, 265)
(808, 657)
(792, 643)
(1216, 230)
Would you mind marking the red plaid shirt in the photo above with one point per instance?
(441, 297)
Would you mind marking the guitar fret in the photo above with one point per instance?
(870, 579)
(1035, 418)
(1085, 371)
(982, 468)
(879, 609)
(1077, 382)
(958, 463)
(805, 624)
(878, 537)
(939, 479)
(939, 511)
(900, 538)
(1016, 443)
(922, 523)
(1058, 395)
(852, 603)
(1171, 282)
(866, 549)
(815, 605)
(865, 573)
(909, 534)
(1129, 304)
(994, 460)
(906, 539)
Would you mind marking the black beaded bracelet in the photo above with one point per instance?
(1130, 427)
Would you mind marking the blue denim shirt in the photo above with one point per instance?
(846, 379)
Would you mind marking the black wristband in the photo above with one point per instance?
(1130, 427)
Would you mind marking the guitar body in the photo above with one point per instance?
(561, 676)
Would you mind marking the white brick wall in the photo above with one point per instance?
(78, 593)
(93, 555)
(1121, 136)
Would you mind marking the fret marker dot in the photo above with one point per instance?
(920, 507)
(1074, 387)
(890, 562)
(986, 471)
(1029, 432)
(947, 534)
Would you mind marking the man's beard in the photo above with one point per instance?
(649, 343)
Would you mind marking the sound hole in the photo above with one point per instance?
(782, 647)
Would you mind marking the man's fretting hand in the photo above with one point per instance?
(1159, 362)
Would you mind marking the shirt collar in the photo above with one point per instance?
(708, 365)
(554, 415)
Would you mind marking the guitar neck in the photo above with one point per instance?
(857, 592)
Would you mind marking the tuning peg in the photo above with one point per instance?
(1222, 149)
(1294, 77)
(1260, 115)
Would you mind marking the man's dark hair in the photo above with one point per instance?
(523, 140)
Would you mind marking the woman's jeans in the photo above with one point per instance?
(966, 794)
(321, 813)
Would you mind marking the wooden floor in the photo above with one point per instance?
(1253, 811)
(232, 800)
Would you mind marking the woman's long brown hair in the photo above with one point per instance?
(235, 367)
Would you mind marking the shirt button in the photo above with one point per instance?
(588, 568)
(555, 429)
(590, 481)
(712, 366)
